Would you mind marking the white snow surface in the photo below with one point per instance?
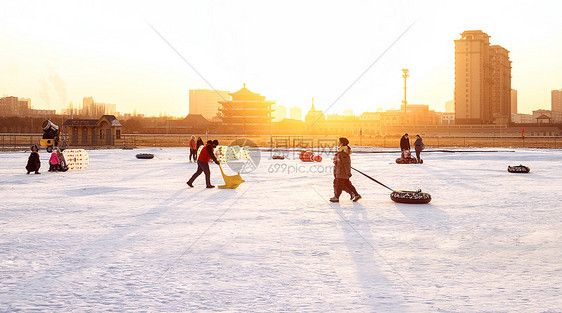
(130, 235)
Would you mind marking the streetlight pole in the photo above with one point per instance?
(405, 75)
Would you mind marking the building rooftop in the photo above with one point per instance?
(244, 92)
(80, 122)
(113, 121)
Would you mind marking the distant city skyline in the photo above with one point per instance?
(53, 57)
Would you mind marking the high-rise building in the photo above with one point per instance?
(12, 106)
(25, 102)
(296, 113)
(482, 79)
(206, 101)
(279, 112)
(450, 106)
(556, 100)
(500, 83)
(109, 108)
(513, 101)
(93, 109)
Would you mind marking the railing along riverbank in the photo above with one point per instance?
(25, 141)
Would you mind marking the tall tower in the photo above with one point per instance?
(556, 100)
(482, 79)
(471, 74)
(513, 101)
(312, 118)
(500, 82)
(405, 76)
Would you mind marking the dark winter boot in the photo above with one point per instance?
(189, 184)
(36, 172)
(210, 186)
(356, 198)
(28, 172)
(334, 199)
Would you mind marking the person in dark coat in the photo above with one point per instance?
(199, 143)
(404, 144)
(419, 146)
(33, 162)
(342, 172)
(203, 163)
(63, 167)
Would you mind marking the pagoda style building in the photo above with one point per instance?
(247, 112)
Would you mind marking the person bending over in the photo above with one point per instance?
(203, 163)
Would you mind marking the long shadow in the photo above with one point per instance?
(425, 216)
(72, 262)
(382, 288)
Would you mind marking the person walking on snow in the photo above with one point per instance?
(203, 163)
(419, 146)
(33, 162)
(404, 144)
(192, 149)
(342, 172)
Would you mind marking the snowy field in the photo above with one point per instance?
(129, 235)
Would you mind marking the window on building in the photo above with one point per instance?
(117, 134)
(101, 133)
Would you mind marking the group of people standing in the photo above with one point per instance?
(194, 147)
(57, 162)
(405, 145)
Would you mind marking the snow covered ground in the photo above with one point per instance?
(129, 235)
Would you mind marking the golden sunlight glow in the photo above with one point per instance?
(59, 52)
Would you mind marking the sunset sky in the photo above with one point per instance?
(56, 52)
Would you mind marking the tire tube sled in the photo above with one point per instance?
(412, 197)
(407, 161)
(145, 156)
(518, 169)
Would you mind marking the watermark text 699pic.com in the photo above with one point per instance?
(298, 169)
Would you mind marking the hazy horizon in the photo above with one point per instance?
(59, 52)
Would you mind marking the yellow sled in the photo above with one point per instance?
(231, 182)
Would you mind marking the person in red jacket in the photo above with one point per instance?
(203, 163)
(192, 149)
